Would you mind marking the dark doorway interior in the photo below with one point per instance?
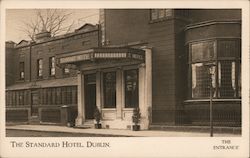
(34, 103)
(90, 96)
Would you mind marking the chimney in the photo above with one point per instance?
(10, 44)
(43, 35)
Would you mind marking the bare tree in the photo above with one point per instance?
(55, 21)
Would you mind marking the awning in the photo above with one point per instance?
(102, 54)
(69, 81)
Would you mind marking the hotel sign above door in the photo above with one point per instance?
(95, 56)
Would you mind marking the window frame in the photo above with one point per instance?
(105, 106)
(164, 17)
(39, 69)
(125, 85)
(236, 58)
(21, 70)
(52, 65)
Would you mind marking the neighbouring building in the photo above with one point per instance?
(154, 59)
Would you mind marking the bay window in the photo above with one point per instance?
(226, 79)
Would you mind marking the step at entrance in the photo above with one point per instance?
(86, 124)
(34, 120)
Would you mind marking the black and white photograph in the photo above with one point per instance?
(89, 78)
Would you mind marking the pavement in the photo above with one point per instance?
(117, 132)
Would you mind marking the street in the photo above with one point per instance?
(28, 133)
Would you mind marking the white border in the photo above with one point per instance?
(134, 147)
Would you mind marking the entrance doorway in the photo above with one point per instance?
(90, 95)
(34, 103)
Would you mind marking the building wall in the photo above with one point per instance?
(48, 49)
(10, 59)
(50, 99)
(170, 53)
(123, 26)
(200, 15)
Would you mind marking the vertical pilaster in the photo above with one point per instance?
(145, 89)
(119, 93)
(98, 89)
(142, 104)
(148, 81)
(81, 99)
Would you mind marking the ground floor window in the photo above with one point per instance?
(226, 76)
(131, 88)
(46, 96)
(109, 89)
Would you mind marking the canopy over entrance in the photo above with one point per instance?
(104, 56)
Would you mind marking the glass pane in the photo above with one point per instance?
(228, 48)
(203, 51)
(161, 13)
(239, 80)
(168, 12)
(154, 14)
(200, 81)
(66, 70)
(131, 88)
(227, 87)
(109, 90)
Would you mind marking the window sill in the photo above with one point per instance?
(20, 81)
(161, 20)
(108, 109)
(214, 100)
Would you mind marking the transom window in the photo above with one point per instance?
(131, 88)
(226, 80)
(109, 86)
(160, 13)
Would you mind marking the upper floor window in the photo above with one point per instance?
(21, 70)
(52, 66)
(156, 14)
(226, 76)
(66, 70)
(40, 68)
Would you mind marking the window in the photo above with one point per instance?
(201, 81)
(52, 66)
(226, 80)
(21, 97)
(109, 83)
(131, 89)
(21, 70)
(39, 68)
(160, 13)
(66, 70)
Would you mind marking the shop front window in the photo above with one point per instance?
(109, 83)
(131, 89)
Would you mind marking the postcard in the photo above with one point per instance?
(124, 78)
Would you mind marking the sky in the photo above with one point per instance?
(15, 18)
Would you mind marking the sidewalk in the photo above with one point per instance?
(117, 132)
